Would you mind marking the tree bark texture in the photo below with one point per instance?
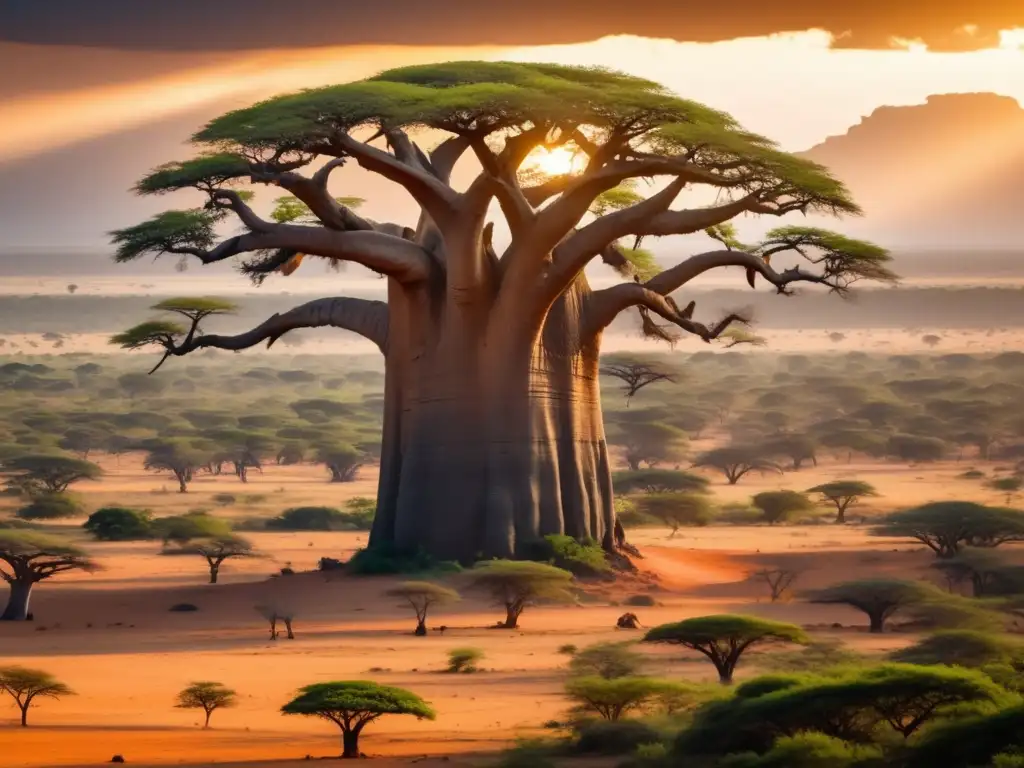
(493, 434)
(17, 601)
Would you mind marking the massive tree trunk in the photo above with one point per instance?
(18, 601)
(492, 434)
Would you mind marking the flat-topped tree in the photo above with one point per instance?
(736, 461)
(44, 474)
(724, 638)
(945, 527)
(179, 457)
(516, 585)
(420, 596)
(26, 685)
(659, 481)
(492, 425)
(635, 374)
(217, 549)
(843, 494)
(676, 509)
(880, 599)
(26, 558)
(352, 705)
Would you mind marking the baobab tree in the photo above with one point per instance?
(492, 432)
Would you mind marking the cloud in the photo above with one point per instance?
(201, 25)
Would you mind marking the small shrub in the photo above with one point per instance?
(580, 559)
(568, 649)
(641, 601)
(528, 753)
(464, 659)
(223, 499)
(387, 560)
(308, 519)
(252, 499)
(654, 753)
(618, 737)
(120, 524)
(971, 474)
(183, 608)
(54, 506)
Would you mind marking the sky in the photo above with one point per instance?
(91, 101)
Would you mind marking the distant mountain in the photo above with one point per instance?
(947, 173)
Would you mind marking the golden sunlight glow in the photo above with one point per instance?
(1011, 39)
(556, 162)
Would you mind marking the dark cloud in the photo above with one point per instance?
(257, 24)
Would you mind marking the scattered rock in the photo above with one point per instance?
(628, 621)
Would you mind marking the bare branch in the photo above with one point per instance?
(389, 255)
(437, 198)
(367, 318)
(605, 305)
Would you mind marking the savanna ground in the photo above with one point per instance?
(110, 635)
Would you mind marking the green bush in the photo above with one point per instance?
(54, 506)
(119, 524)
(641, 601)
(464, 659)
(528, 753)
(614, 737)
(308, 519)
(580, 559)
(387, 560)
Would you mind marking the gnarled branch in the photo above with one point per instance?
(435, 196)
(365, 317)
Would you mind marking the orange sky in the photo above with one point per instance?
(796, 88)
(793, 87)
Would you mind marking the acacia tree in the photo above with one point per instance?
(31, 558)
(736, 461)
(659, 481)
(26, 685)
(207, 696)
(843, 494)
(220, 548)
(181, 459)
(635, 375)
(676, 509)
(342, 461)
(880, 599)
(724, 638)
(352, 705)
(648, 442)
(492, 425)
(780, 506)
(41, 475)
(947, 526)
(420, 595)
(515, 585)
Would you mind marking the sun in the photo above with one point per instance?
(556, 162)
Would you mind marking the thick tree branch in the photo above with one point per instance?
(389, 255)
(603, 307)
(675, 277)
(313, 192)
(232, 200)
(435, 196)
(367, 318)
(580, 247)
